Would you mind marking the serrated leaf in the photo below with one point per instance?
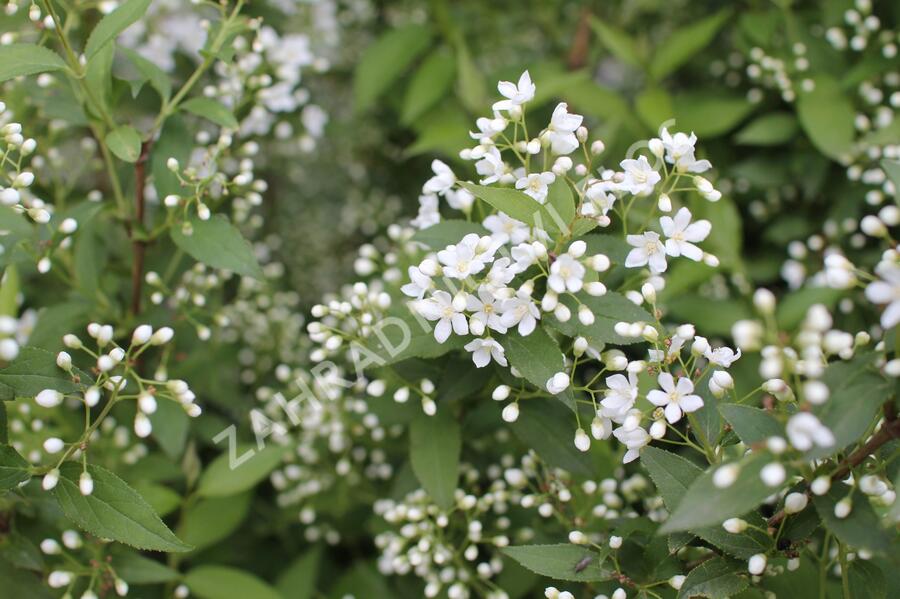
(13, 468)
(218, 243)
(385, 61)
(608, 309)
(125, 142)
(684, 43)
(27, 59)
(220, 480)
(113, 24)
(752, 425)
(34, 370)
(447, 232)
(211, 110)
(866, 579)
(827, 116)
(716, 579)
(113, 511)
(537, 357)
(546, 427)
(862, 528)
(430, 83)
(221, 582)
(560, 561)
(770, 129)
(434, 446)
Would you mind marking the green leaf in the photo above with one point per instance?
(608, 309)
(472, 89)
(113, 511)
(619, 43)
(218, 243)
(709, 114)
(158, 78)
(98, 77)
(220, 480)
(654, 106)
(683, 44)
(13, 468)
(519, 206)
(170, 428)
(134, 568)
(559, 561)
(752, 425)
(827, 116)
(447, 232)
(175, 141)
(430, 83)
(865, 579)
(9, 291)
(298, 580)
(793, 307)
(561, 200)
(113, 24)
(211, 520)
(434, 446)
(51, 320)
(716, 578)
(538, 358)
(221, 582)
(770, 129)
(546, 427)
(34, 370)
(399, 336)
(27, 59)
(747, 492)
(892, 169)
(211, 110)
(162, 499)
(385, 61)
(125, 142)
(862, 528)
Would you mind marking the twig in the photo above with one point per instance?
(581, 41)
(138, 246)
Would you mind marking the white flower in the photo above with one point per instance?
(516, 94)
(682, 234)
(678, 398)
(460, 199)
(500, 275)
(506, 229)
(419, 284)
(561, 131)
(442, 180)
(722, 356)
(488, 128)
(428, 212)
(558, 383)
(463, 259)
(620, 396)
(566, 273)
(440, 307)
(886, 292)
(520, 310)
(648, 250)
(535, 185)
(680, 152)
(639, 177)
(600, 200)
(485, 349)
(486, 312)
(805, 430)
(491, 166)
(634, 440)
(525, 255)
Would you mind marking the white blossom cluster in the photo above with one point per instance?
(72, 550)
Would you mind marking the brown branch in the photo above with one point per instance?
(581, 41)
(889, 431)
(138, 246)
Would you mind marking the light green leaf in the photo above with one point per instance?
(560, 200)
(27, 59)
(434, 446)
(519, 206)
(447, 232)
(13, 468)
(298, 580)
(430, 83)
(211, 520)
(862, 528)
(34, 370)
(211, 110)
(9, 291)
(125, 142)
(710, 114)
(716, 579)
(827, 116)
(793, 307)
(158, 78)
(162, 499)
(654, 106)
(546, 427)
(892, 169)
(113, 511)
(559, 561)
(113, 24)
(220, 480)
(51, 320)
(608, 309)
(472, 89)
(134, 568)
(385, 61)
(619, 43)
(751, 424)
(218, 243)
(685, 43)
(770, 129)
(538, 358)
(221, 582)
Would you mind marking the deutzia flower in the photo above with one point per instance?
(483, 350)
(634, 440)
(561, 131)
(648, 250)
(639, 177)
(487, 129)
(506, 229)
(485, 308)
(722, 356)
(521, 311)
(805, 430)
(535, 185)
(460, 199)
(491, 166)
(680, 152)
(566, 273)
(516, 94)
(419, 284)
(682, 234)
(442, 180)
(440, 307)
(500, 275)
(600, 200)
(525, 255)
(428, 212)
(886, 292)
(464, 259)
(678, 398)
(620, 397)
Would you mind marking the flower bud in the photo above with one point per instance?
(142, 334)
(64, 361)
(735, 525)
(726, 475)
(773, 474)
(500, 393)
(795, 503)
(576, 537)
(757, 564)
(48, 398)
(764, 300)
(582, 440)
(510, 412)
(86, 484)
(558, 383)
(51, 479)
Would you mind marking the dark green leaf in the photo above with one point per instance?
(547, 428)
(866, 580)
(752, 425)
(770, 129)
(716, 578)
(434, 446)
(113, 24)
(537, 357)
(221, 582)
(519, 206)
(218, 243)
(134, 568)
(13, 468)
(827, 116)
(27, 59)
(862, 528)
(158, 78)
(220, 480)
(35, 370)
(710, 114)
(560, 201)
(619, 43)
(298, 580)
(608, 309)
(211, 520)
(559, 561)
